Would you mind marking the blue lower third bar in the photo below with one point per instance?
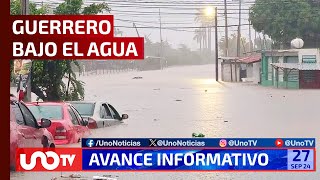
(197, 160)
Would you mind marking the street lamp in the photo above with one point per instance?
(210, 11)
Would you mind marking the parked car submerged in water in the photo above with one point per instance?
(67, 124)
(25, 131)
(99, 114)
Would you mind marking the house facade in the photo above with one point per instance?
(291, 69)
(246, 69)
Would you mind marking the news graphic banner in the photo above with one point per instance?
(200, 142)
(70, 37)
(198, 159)
(197, 154)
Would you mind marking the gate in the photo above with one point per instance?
(310, 79)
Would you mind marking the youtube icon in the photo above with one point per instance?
(279, 142)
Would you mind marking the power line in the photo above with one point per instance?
(187, 27)
(175, 7)
(170, 22)
(165, 28)
(169, 2)
(167, 13)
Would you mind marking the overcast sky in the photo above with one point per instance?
(174, 14)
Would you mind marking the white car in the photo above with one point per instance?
(99, 114)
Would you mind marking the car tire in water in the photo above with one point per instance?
(45, 142)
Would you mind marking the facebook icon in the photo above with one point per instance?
(90, 143)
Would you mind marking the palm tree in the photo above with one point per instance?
(205, 22)
(199, 37)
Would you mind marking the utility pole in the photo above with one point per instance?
(226, 35)
(238, 39)
(239, 31)
(134, 25)
(24, 7)
(216, 43)
(255, 39)
(160, 34)
(160, 40)
(250, 39)
(25, 11)
(209, 40)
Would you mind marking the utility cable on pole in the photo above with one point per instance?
(226, 36)
(160, 34)
(160, 39)
(226, 51)
(25, 11)
(238, 40)
(216, 45)
(134, 25)
(239, 31)
(250, 39)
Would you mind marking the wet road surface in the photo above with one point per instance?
(178, 101)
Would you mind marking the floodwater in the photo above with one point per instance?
(176, 102)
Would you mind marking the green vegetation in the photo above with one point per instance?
(15, 8)
(47, 75)
(284, 20)
(257, 44)
(175, 56)
(198, 135)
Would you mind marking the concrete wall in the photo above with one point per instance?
(315, 52)
(226, 72)
(256, 73)
(249, 70)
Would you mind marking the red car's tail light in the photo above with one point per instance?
(60, 137)
(60, 129)
(61, 133)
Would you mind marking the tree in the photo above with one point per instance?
(15, 8)
(259, 44)
(205, 21)
(244, 45)
(48, 75)
(284, 20)
(74, 8)
(74, 89)
(199, 37)
(262, 44)
(48, 84)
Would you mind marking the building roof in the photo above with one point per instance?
(298, 66)
(246, 60)
(275, 53)
(251, 59)
(228, 58)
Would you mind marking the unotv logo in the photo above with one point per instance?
(47, 160)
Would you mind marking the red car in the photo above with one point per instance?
(67, 124)
(25, 131)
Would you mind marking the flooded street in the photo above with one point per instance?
(179, 101)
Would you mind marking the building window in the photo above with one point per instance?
(309, 59)
(291, 59)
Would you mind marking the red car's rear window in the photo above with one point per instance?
(52, 112)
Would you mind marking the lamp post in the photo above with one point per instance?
(210, 11)
(216, 43)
